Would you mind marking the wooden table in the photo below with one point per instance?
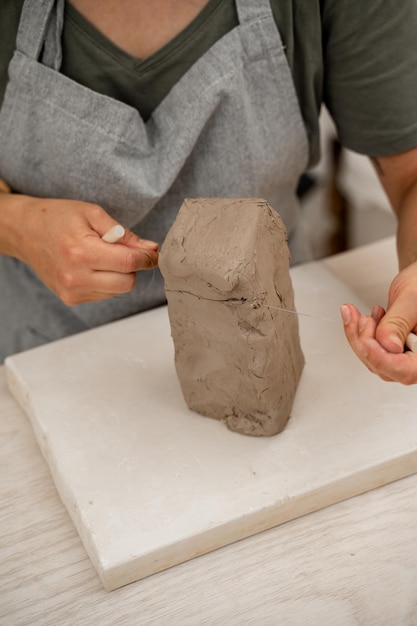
(352, 563)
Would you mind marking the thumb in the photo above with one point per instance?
(397, 323)
(101, 222)
(111, 231)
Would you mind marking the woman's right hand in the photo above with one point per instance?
(61, 241)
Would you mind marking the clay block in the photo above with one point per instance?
(225, 262)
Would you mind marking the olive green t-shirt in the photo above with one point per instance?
(359, 57)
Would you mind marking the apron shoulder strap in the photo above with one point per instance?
(249, 11)
(40, 30)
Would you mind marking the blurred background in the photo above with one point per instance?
(342, 201)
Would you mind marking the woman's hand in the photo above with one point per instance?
(61, 241)
(379, 339)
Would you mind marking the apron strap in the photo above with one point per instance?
(40, 31)
(250, 10)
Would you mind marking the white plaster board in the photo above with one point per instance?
(149, 484)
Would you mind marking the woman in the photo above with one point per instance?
(116, 111)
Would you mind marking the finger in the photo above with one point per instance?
(388, 366)
(358, 334)
(111, 283)
(131, 239)
(153, 258)
(101, 256)
(125, 259)
(96, 286)
(366, 326)
(359, 331)
(101, 223)
(114, 234)
(126, 237)
(118, 234)
(400, 368)
(99, 220)
(377, 313)
(350, 316)
(354, 325)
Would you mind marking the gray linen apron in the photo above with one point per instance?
(231, 127)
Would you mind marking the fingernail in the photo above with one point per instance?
(375, 312)
(396, 341)
(151, 262)
(149, 244)
(345, 313)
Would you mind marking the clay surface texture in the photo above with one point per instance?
(225, 264)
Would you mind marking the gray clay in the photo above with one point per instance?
(225, 262)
